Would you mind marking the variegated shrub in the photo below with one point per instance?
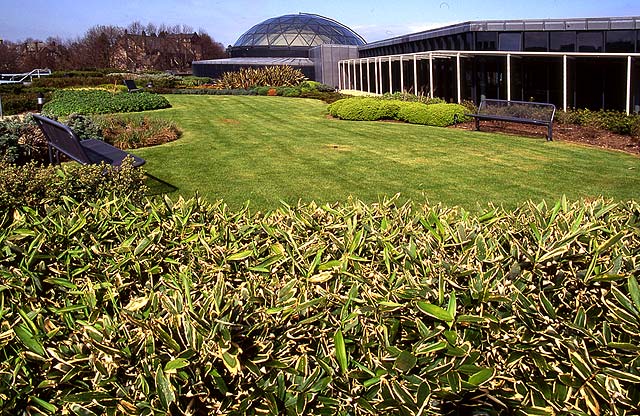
(189, 308)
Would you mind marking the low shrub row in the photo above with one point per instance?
(73, 81)
(109, 308)
(405, 96)
(614, 121)
(306, 89)
(37, 187)
(371, 109)
(66, 102)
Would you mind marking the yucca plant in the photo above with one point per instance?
(275, 76)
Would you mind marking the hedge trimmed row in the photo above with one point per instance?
(371, 109)
(66, 102)
(190, 308)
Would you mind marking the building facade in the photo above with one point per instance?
(581, 63)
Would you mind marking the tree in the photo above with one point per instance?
(8, 57)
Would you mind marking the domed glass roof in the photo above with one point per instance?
(299, 30)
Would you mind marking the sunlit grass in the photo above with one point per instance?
(268, 149)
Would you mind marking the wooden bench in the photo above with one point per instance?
(61, 139)
(131, 85)
(525, 112)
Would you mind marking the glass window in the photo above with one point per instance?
(536, 41)
(621, 41)
(590, 42)
(510, 41)
(486, 41)
(562, 41)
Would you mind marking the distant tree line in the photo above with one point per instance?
(136, 47)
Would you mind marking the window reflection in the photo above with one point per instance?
(562, 41)
(621, 41)
(590, 42)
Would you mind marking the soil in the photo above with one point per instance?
(563, 132)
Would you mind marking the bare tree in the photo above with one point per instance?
(9, 57)
(104, 46)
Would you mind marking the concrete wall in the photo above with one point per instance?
(326, 57)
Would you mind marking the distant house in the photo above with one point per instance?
(166, 51)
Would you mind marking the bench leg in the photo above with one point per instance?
(477, 124)
(550, 134)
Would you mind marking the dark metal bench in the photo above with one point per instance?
(61, 139)
(525, 112)
(131, 85)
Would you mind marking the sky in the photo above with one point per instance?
(226, 20)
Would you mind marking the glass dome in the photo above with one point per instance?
(299, 30)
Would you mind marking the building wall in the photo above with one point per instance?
(326, 57)
(593, 82)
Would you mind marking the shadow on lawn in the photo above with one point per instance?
(157, 186)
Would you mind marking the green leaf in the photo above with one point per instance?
(164, 389)
(435, 311)
(29, 340)
(46, 406)
(240, 256)
(86, 397)
(81, 410)
(482, 376)
(634, 291)
(622, 375)
(406, 361)
(176, 364)
(624, 346)
(580, 366)
(452, 306)
(610, 242)
(371, 382)
(436, 346)
(341, 352)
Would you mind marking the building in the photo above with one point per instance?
(165, 50)
(583, 63)
(310, 42)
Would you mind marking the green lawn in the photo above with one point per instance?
(267, 149)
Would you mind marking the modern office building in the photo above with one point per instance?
(583, 63)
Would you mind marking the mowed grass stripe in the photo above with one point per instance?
(267, 149)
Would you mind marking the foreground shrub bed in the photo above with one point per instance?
(187, 307)
(66, 102)
(372, 109)
(36, 186)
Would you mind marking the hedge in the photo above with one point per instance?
(65, 102)
(371, 109)
(109, 308)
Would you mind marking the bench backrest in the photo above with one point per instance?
(518, 109)
(62, 138)
(131, 85)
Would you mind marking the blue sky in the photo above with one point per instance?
(226, 20)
